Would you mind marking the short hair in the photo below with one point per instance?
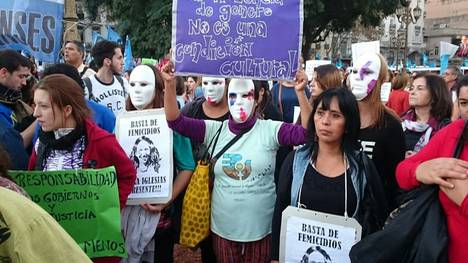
(456, 70)
(348, 107)
(441, 101)
(154, 157)
(65, 91)
(12, 60)
(158, 100)
(462, 82)
(102, 50)
(328, 76)
(78, 45)
(65, 69)
(400, 81)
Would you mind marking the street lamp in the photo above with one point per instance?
(407, 15)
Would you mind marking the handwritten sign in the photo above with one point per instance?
(37, 23)
(309, 236)
(147, 140)
(84, 202)
(237, 38)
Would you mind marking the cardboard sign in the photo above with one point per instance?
(237, 39)
(312, 64)
(37, 23)
(385, 90)
(309, 236)
(358, 49)
(84, 202)
(147, 140)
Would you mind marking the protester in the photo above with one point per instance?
(107, 87)
(285, 98)
(244, 184)
(399, 98)
(74, 54)
(194, 89)
(147, 92)
(265, 107)
(381, 133)
(324, 77)
(211, 106)
(70, 140)
(451, 75)
(462, 97)
(101, 115)
(435, 165)
(431, 109)
(331, 153)
(30, 234)
(181, 90)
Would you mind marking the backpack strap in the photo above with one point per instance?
(89, 87)
(84, 71)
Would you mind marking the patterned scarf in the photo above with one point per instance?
(426, 128)
(9, 96)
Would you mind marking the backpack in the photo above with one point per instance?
(89, 86)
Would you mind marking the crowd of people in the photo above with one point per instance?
(348, 153)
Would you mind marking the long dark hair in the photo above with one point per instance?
(441, 101)
(266, 99)
(348, 107)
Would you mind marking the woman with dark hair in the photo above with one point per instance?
(381, 134)
(147, 92)
(70, 140)
(325, 77)
(332, 152)
(431, 109)
(398, 100)
(265, 108)
(461, 88)
(435, 165)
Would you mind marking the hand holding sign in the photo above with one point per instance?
(301, 80)
(155, 208)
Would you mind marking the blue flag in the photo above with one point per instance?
(425, 59)
(317, 56)
(128, 57)
(96, 37)
(14, 42)
(444, 60)
(466, 62)
(113, 36)
(339, 63)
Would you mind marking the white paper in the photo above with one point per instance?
(385, 91)
(312, 64)
(447, 49)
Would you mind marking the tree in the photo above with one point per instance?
(149, 22)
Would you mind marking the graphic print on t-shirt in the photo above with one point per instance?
(234, 167)
(111, 95)
(368, 148)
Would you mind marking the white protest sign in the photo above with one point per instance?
(309, 236)
(385, 90)
(447, 49)
(312, 64)
(147, 140)
(358, 49)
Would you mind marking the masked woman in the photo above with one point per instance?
(244, 190)
(322, 164)
(431, 109)
(147, 92)
(70, 140)
(381, 134)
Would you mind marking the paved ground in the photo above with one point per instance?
(186, 255)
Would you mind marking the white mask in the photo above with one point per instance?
(213, 89)
(241, 99)
(142, 86)
(364, 77)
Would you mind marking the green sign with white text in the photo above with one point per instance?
(84, 202)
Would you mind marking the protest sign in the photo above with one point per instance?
(358, 49)
(84, 202)
(385, 90)
(147, 140)
(38, 23)
(316, 237)
(236, 39)
(312, 64)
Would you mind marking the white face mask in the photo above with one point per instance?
(241, 99)
(213, 89)
(142, 86)
(365, 75)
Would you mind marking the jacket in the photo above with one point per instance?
(442, 145)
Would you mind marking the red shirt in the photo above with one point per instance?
(399, 101)
(442, 145)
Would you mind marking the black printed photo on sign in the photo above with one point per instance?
(147, 140)
(309, 236)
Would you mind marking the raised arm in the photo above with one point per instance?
(299, 87)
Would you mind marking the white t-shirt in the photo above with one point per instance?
(111, 95)
(244, 194)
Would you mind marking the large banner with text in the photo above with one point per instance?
(37, 23)
(256, 39)
(84, 202)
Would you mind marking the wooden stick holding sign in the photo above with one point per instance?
(310, 236)
(147, 140)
